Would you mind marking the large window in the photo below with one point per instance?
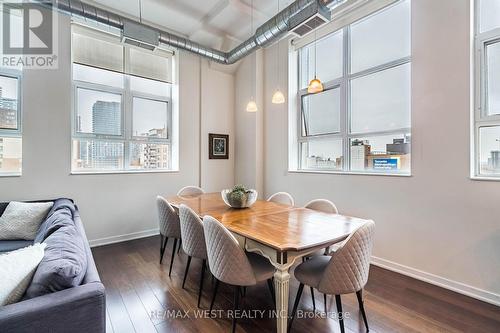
(487, 109)
(122, 119)
(10, 124)
(361, 122)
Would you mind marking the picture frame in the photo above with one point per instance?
(218, 146)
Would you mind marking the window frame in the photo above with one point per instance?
(344, 82)
(18, 132)
(480, 118)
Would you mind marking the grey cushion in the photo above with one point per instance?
(311, 271)
(11, 245)
(61, 214)
(64, 264)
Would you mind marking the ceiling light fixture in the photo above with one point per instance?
(252, 105)
(315, 85)
(278, 97)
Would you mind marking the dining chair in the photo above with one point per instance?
(230, 264)
(191, 190)
(322, 205)
(282, 198)
(345, 272)
(325, 206)
(193, 242)
(169, 227)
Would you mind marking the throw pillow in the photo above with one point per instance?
(16, 270)
(21, 220)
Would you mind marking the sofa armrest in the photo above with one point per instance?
(78, 309)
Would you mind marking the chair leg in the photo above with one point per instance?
(324, 300)
(201, 281)
(162, 248)
(186, 271)
(172, 257)
(180, 244)
(215, 293)
(271, 290)
(340, 313)
(312, 296)
(235, 305)
(359, 295)
(295, 305)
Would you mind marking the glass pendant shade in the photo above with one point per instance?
(315, 86)
(278, 97)
(252, 106)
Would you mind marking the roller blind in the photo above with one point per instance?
(98, 49)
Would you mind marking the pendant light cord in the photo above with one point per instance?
(278, 56)
(255, 55)
(315, 54)
(140, 11)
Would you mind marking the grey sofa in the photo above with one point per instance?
(77, 309)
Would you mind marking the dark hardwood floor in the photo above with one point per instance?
(139, 291)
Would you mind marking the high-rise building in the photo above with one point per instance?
(106, 120)
(155, 156)
(8, 112)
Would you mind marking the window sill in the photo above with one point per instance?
(350, 173)
(121, 172)
(2, 175)
(485, 178)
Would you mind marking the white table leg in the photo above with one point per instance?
(282, 290)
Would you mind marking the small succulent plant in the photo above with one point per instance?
(238, 196)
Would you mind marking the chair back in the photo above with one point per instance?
(347, 271)
(190, 190)
(193, 238)
(168, 218)
(282, 198)
(322, 205)
(226, 259)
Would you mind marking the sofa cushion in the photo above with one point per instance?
(16, 269)
(61, 214)
(64, 264)
(21, 220)
(11, 245)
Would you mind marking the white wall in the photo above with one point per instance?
(116, 204)
(438, 225)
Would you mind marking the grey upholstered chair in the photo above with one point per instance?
(230, 264)
(169, 227)
(345, 272)
(190, 190)
(193, 242)
(283, 198)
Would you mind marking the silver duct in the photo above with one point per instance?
(270, 32)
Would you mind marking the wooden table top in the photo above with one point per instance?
(281, 227)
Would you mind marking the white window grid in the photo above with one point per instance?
(481, 119)
(343, 83)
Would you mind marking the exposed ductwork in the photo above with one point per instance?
(274, 29)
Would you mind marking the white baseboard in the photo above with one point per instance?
(439, 281)
(123, 238)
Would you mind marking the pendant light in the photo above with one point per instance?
(278, 97)
(252, 105)
(315, 86)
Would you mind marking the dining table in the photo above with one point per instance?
(282, 234)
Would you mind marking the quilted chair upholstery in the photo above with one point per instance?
(190, 190)
(168, 218)
(283, 198)
(227, 260)
(193, 238)
(322, 205)
(347, 271)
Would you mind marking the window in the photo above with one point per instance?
(10, 125)
(122, 107)
(486, 154)
(361, 122)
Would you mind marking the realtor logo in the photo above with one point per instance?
(28, 36)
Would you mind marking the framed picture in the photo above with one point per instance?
(218, 146)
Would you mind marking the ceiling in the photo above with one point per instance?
(221, 24)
